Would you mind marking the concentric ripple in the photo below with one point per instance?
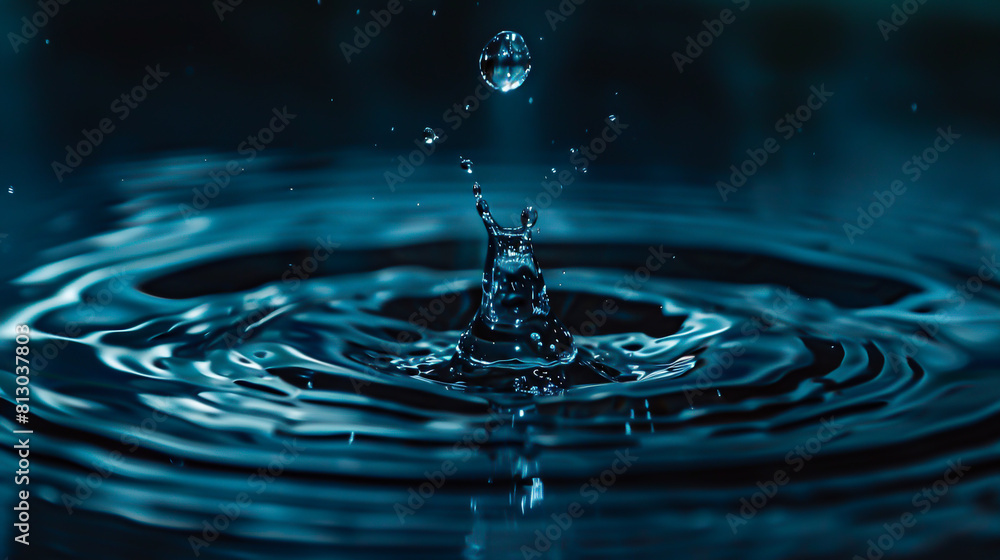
(205, 344)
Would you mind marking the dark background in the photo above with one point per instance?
(226, 76)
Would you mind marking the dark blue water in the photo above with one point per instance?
(272, 376)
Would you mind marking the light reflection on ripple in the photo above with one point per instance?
(315, 367)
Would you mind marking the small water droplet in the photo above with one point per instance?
(613, 118)
(531, 100)
(477, 191)
(505, 62)
(434, 13)
(529, 216)
(10, 190)
(430, 136)
(914, 107)
(466, 164)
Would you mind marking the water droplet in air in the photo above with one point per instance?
(613, 118)
(477, 191)
(914, 107)
(529, 216)
(430, 136)
(505, 62)
(467, 165)
(10, 190)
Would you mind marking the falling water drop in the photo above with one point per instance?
(466, 164)
(430, 136)
(10, 190)
(505, 61)
(529, 216)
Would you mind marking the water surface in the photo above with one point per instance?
(300, 321)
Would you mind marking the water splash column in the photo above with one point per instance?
(515, 326)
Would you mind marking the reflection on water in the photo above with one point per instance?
(261, 377)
